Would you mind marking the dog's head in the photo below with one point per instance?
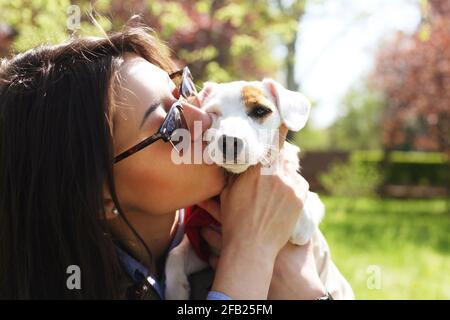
(246, 118)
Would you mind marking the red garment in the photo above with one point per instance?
(195, 219)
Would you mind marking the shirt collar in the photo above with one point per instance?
(136, 270)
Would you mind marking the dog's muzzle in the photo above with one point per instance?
(230, 147)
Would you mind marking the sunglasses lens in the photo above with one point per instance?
(187, 87)
(184, 83)
(174, 120)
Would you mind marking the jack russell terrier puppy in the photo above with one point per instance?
(246, 118)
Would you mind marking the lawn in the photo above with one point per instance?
(390, 249)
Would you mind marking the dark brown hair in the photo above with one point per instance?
(56, 156)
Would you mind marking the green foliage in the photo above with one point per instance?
(220, 40)
(311, 139)
(410, 168)
(359, 127)
(401, 156)
(424, 174)
(351, 179)
(46, 21)
(407, 239)
(37, 22)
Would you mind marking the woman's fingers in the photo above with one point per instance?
(212, 207)
(213, 260)
(213, 238)
(194, 100)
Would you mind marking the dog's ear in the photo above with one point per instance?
(293, 106)
(206, 90)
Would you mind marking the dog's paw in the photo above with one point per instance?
(309, 219)
(177, 285)
(303, 231)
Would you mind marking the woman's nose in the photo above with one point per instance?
(197, 119)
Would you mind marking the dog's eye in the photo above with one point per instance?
(259, 112)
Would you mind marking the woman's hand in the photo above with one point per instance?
(258, 214)
(295, 274)
(258, 209)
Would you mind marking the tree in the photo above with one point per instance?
(226, 40)
(291, 12)
(360, 125)
(413, 72)
(221, 40)
(35, 21)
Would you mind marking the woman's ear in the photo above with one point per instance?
(109, 206)
(293, 106)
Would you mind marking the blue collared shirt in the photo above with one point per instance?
(138, 272)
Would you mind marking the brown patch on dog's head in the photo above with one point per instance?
(256, 104)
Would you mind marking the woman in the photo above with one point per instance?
(73, 194)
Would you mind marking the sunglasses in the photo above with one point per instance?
(174, 119)
(184, 81)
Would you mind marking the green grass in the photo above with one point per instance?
(408, 241)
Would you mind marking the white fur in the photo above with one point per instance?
(181, 262)
(224, 102)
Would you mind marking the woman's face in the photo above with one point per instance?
(149, 181)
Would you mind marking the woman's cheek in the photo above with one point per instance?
(141, 181)
(154, 184)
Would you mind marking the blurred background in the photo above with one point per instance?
(377, 146)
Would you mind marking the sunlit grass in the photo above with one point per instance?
(408, 240)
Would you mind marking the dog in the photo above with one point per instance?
(246, 117)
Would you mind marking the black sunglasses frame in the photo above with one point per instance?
(174, 119)
(186, 86)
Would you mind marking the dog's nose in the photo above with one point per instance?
(231, 147)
